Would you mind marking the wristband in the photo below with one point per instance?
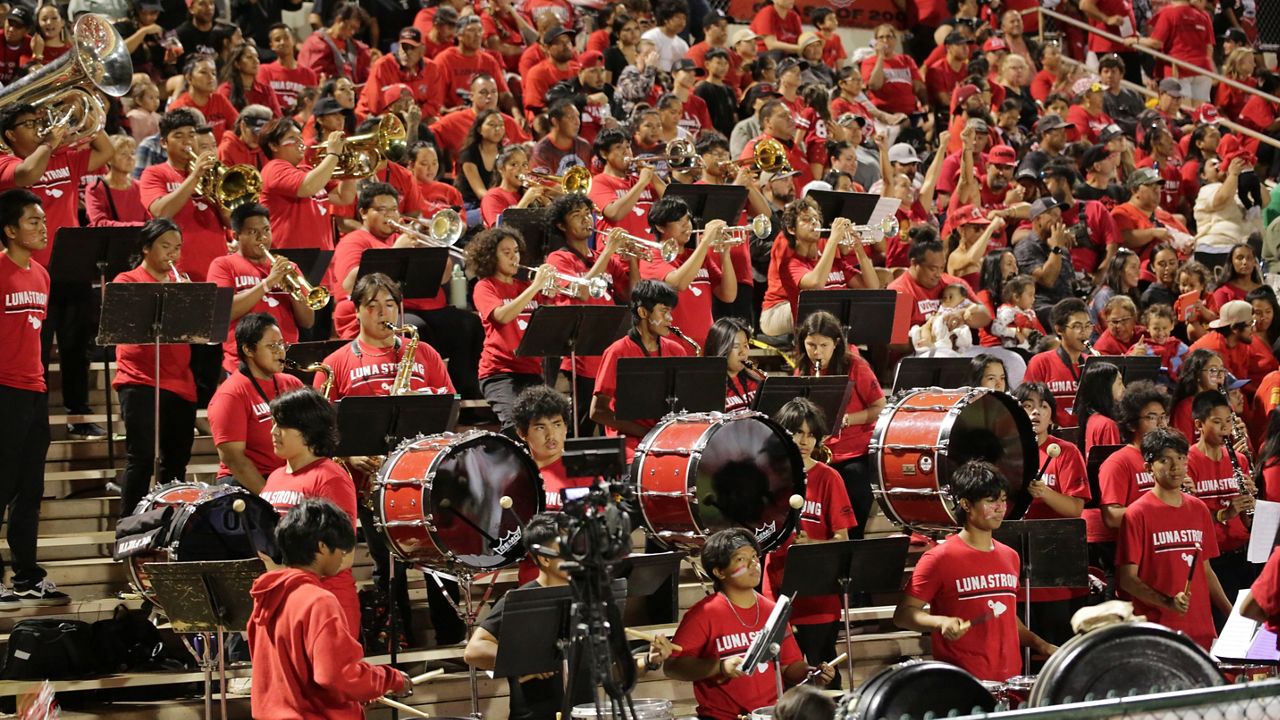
(650, 666)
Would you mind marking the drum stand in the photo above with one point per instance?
(468, 613)
(206, 663)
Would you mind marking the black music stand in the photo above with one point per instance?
(307, 353)
(595, 457)
(313, 262)
(831, 394)
(418, 270)
(532, 224)
(162, 313)
(857, 207)
(1053, 554)
(83, 256)
(654, 387)
(1132, 367)
(711, 202)
(207, 598)
(845, 567)
(1098, 454)
(923, 372)
(873, 309)
(559, 330)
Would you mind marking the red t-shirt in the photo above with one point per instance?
(233, 151)
(494, 202)
(1122, 479)
(739, 393)
(218, 112)
(714, 628)
(1183, 421)
(1067, 475)
(851, 442)
(425, 83)
(786, 269)
(768, 22)
(1101, 430)
(927, 300)
(694, 116)
(136, 364)
(826, 511)
(1187, 34)
(235, 271)
(795, 156)
(457, 70)
(555, 482)
(434, 196)
(261, 93)
(203, 237)
(1266, 590)
(1171, 192)
(326, 479)
(287, 83)
(1163, 541)
(13, 57)
(1238, 359)
(296, 222)
(940, 77)
(897, 94)
(1063, 379)
(347, 258)
(1128, 26)
(692, 313)
(605, 189)
(607, 380)
(239, 413)
(618, 276)
(451, 130)
(541, 78)
(26, 302)
(1215, 484)
(501, 340)
(1085, 126)
(362, 370)
(58, 189)
(958, 580)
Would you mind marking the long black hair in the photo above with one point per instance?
(825, 324)
(1193, 364)
(722, 335)
(1268, 454)
(1094, 397)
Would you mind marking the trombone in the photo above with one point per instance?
(886, 228)
(680, 155)
(575, 180)
(314, 296)
(760, 227)
(642, 249)
(562, 284)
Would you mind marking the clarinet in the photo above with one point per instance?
(1236, 471)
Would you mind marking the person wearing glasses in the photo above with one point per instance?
(1231, 337)
(239, 415)
(1060, 368)
(258, 281)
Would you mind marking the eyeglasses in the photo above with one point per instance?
(1215, 371)
(1157, 418)
(1077, 327)
(278, 347)
(33, 123)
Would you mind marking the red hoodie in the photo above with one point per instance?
(306, 663)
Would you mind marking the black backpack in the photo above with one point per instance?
(51, 649)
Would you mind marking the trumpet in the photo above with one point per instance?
(886, 228)
(313, 296)
(178, 277)
(563, 284)
(759, 227)
(680, 155)
(575, 180)
(643, 249)
(444, 228)
(314, 368)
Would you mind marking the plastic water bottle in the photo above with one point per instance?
(458, 288)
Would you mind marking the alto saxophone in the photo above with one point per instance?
(404, 372)
(314, 368)
(697, 349)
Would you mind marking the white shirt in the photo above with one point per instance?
(670, 49)
(1219, 230)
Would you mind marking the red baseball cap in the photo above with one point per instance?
(970, 215)
(392, 93)
(590, 59)
(1002, 155)
(1207, 113)
(994, 44)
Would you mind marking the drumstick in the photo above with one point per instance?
(426, 676)
(1051, 452)
(832, 663)
(796, 502)
(1191, 572)
(648, 637)
(402, 707)
(238, 505)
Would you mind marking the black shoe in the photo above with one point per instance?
(86, 431)
(42, 594)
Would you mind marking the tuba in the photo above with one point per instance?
(365, 152)
(63, 90)
(230, 186)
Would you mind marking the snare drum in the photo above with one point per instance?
(646, 709)
(437, 500)
(923, 436)
(764, 713)
(203, 526)
(1243, 672)
(1016, 691)
(703, 472)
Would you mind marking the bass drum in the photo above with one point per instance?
(923, 436)
(437, 501)
(699, 473)
(1122, 660)
(919, 688)
(203, 526)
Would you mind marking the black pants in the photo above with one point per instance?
(856, 474)
(818, 644)
(71, 319)
(586, 388)
(449, 626)
(24, 440)
(743, 307)
(177, 418)
(206, 370)
(501, 391)
(459, 338)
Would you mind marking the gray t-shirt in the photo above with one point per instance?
(1032, 253)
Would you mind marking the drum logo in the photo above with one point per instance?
(508, 541)
(766, 531)
(926, 464)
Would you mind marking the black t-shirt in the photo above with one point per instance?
(1110, 196)
(722, 105)
(488, 176)
(196, 41)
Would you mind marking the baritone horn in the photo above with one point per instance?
(63, 91)
(363, 153)
(230, 186)
(315, 297)
(575, 181)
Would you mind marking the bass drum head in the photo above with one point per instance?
(1122, 660)
(646, 709)
(745, 477)
(211, 529)
(469, 480)
(992, 426)
(917, 689)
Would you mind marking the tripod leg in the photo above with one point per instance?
(222, 673)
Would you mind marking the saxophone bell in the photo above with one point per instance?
(314, 368)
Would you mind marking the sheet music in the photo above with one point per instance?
(885, 207)
(1245, 639)
(1262, 538)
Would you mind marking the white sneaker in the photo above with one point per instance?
(239, 686)
(8, 600)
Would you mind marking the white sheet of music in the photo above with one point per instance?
(1262, 538)
(885, 207)
(1243, 639)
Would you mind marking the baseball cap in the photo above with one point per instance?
(1051, 121)
(1093, 156)
(394, 92)
(411, 36)
(851, 118)
(815, 185)
(714, 18)
(790, 62)
(1042, 206)
(1143, 176)
(714, 53)
(964, 92)
(256, 116)
(743, 34)
(1234, 383)
(978, 124)
(1085, 85)
(1027, 172)
(1110, 133)
(767, 177)
(903, 154)
(995, 44)
(592, 59)
(970, 215)
(1235, 312)
(808, 38)
(23, 15)
(445, 15)
(1207, 113)
(1169, 86)
(467, 20)
(555, 31)
(326, 106)
(1235, 35)
(1002, 155)
(955, 37)
(685, 64)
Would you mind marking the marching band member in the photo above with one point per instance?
(239, 413)
(540, 697)
(24, 425)
(571, 217)
(624, 198)
(542, 422)
(306, 662)
(136, 371)
(505, 304)
(651, 304)
(1262, 603)
(1166, 544)
(718, 168)
(1060, 368)
(821, 350)
(1061, 492)
(304, 436)
(729, 338)
(827, 515)
(512, 164)
(258, 283)
(1202, 370)
(714, 634)
(970, 583)
(695, 273)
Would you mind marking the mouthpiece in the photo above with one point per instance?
(238, 506)
(796, 502)
(1053, 450)
(505, 502)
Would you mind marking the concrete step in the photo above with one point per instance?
(66, 451)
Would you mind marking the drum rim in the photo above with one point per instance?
(456, 441)
(852, 704)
